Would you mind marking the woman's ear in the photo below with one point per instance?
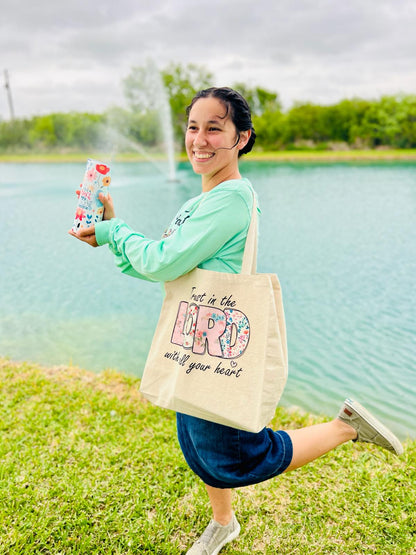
(244, 138)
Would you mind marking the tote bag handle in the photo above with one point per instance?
(249, 264)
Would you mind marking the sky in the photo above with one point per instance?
(73, 56)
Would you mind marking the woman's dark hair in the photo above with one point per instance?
(237, 108)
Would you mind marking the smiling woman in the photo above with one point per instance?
(210, 232)
(214, 141)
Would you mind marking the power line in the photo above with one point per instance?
(9, 93)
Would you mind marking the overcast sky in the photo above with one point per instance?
(73, 55)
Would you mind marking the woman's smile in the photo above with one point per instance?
(203, 155)
(211, 142)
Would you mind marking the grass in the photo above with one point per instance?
(282, 156)
(65, 157)
(88, 467)
(335, 155)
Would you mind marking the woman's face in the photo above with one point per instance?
(211, 138)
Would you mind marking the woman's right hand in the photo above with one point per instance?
(108, 204)
(87, 235)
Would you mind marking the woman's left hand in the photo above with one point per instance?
(87, 235)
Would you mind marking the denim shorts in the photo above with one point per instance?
(225, 457)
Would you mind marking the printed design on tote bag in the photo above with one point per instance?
(222, 333)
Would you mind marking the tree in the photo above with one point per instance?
(183, 82)
(14, 135)
(390, 121)
(407, 120)
(269, 128)
(260, 100)
(42, 132)
(344, 119)
(145, 85)
(304, 122)
(380, 125)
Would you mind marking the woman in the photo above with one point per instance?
(211, 235)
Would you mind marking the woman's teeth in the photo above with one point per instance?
(203, 156)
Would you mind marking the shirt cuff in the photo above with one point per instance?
(102, 232)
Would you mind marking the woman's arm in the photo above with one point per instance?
(217, 220)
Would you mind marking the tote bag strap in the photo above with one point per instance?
(249, 264)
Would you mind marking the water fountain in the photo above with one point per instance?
(156, 91)
(165, 119)
(118, 142)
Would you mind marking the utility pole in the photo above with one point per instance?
(9, 93)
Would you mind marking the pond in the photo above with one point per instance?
(341, 237)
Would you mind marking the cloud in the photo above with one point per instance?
(73, 56)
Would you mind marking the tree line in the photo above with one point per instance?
(389, 121)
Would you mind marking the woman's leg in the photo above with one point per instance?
(353, 422)
(308, 444)
(314, 441)
(220, 500)
(224, 527)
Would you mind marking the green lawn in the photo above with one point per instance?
(283, 156)
(88, 467)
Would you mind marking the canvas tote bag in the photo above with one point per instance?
(219, 351)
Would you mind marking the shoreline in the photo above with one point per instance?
(391, 155)
(69, 372)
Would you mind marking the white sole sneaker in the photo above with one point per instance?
(215, 537)
(369, 429)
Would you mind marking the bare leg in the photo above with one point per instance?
(308, 444)
(312, 442)
(221, 504)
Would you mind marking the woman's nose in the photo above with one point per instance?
(200, 138)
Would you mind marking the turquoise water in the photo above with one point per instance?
(341, 237)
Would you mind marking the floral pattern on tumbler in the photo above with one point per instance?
(90, 209)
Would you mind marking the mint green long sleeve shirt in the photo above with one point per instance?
(209, 231)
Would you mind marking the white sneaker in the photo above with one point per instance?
(215, 537)
(369, 429)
